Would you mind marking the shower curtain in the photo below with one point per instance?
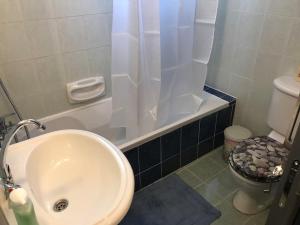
(160, 51)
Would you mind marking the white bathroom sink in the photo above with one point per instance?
(77, 167)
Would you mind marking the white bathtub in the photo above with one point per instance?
(96, 118)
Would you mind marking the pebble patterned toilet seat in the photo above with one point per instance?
(255, 158)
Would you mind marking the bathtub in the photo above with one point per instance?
(164, 150)
(96, 118)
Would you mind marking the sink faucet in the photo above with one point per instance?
(5, 174)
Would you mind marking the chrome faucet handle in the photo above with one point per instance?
(8, 183)
(8, 187)
(9, 177)
(5, 173)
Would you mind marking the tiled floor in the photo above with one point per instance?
(211, 177)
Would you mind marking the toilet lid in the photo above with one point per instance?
(255, 158)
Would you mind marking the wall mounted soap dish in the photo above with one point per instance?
(86, 89)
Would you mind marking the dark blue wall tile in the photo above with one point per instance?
(189, 135)
(189, 155)
(214, 91)
(151, 175)
(137, 183)
(223, 119)
(149, 154)
(219, 140)
(206, 88)
(207, 127)
(220, 94)
(205, 147)
(170, 144)
(166, 154)
(132, 156)
(229, 99)
(170, 165)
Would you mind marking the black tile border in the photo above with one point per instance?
(220, 94)
(150, 167)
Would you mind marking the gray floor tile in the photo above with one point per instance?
(217, 156)
(189, 178)
(209, 193)
(205, 168)
(259, 219)
(230, 216)
(210, 176)
(222, 183)
(221, 221)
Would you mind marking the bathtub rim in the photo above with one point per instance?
(128, 145)
(176, 125)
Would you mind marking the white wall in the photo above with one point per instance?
(46, 43)
(255, 42)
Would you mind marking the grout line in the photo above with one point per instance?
(211, 177)
(215, 128)
(161, 160)
(242, 77)
(285, 46)
(139, 167)
(198, 178)
(180, 147)
(24, 20)
(141, 172)
(57, 54)
(232, 113)
(229, 194)
(198, 141)
(248, 219)
(194, 175)
(260, 35)
(173, 156)
(206, 139)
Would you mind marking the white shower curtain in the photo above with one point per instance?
(160, 51)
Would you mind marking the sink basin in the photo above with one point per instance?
(73, 177)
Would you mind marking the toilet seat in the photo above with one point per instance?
(255, 158)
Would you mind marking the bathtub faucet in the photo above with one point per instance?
(5, 174)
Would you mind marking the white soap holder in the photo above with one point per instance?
(86, 89)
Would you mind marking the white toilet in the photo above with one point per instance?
(252, 162)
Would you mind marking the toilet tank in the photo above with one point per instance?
(283, 104)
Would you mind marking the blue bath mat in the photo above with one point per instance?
(170, 202)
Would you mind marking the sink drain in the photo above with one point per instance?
(60, 205)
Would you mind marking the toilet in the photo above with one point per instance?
(253, 160)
